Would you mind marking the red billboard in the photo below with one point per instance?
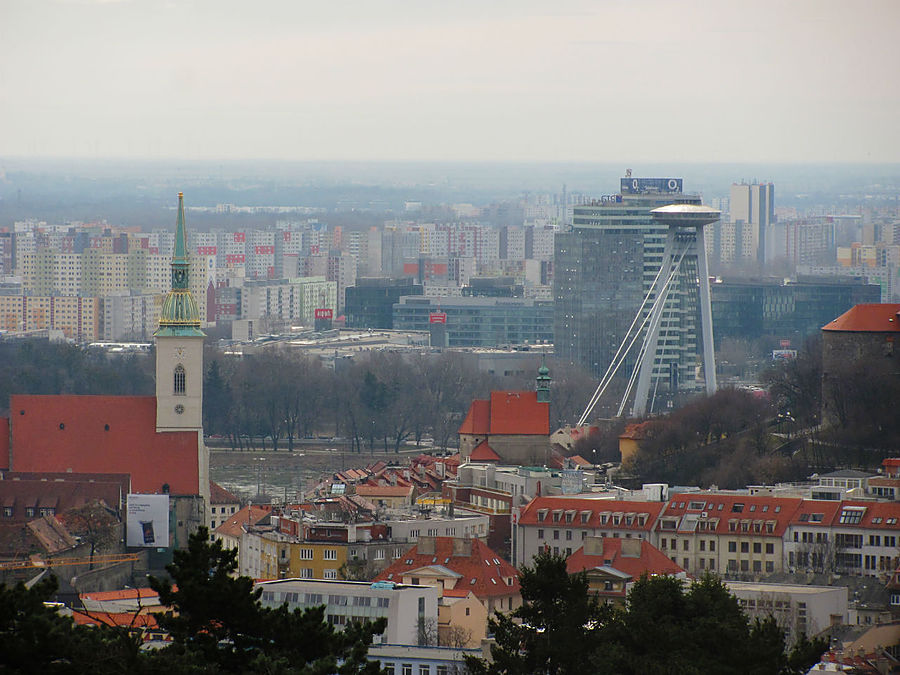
(324, 313)
(437, 317)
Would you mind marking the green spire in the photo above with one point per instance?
(180, 315)
(543, 382)
(180, 263)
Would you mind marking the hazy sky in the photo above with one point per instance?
(608, 80)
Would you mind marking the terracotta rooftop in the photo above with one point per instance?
(122, 619)
(121, 594)
(100, 434)
(867, 318)
(484, 453)
(482, 571)
(507, 413)
(478, 420)
(219, 495)
(249, 515)
(637, 431)
(651, 559)
(589, 513)
(729, 513)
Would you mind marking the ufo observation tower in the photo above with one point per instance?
(684, 267)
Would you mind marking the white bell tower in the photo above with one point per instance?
(179, 347)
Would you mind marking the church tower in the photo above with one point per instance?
(179, 346)
(543, 383)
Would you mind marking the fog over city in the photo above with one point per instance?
(419, 338)
(610, 81)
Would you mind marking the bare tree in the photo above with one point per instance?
(96, 524)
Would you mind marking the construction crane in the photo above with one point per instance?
(65, 562)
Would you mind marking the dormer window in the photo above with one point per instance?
(180, 380)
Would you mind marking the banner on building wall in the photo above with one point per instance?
(147, 523)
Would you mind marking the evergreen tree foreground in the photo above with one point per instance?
(219, 626)
(562, 629)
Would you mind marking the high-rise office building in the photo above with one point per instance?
(752, 220)
(603, 268)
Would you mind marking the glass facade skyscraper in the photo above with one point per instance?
(605, 265)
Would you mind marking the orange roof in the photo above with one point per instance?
(815, 512)
(637, 432)
(579, 461)
(483, 572)
(651, 560)
(877, 515)
(484, 453)
(122, 594)
(868, 318)
(103, 434)
(478, 421)
(633, 516)
(122, 619)
(724, 509)
(251, 515)
(219, 495)
(518, 412)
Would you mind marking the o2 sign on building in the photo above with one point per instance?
(636, 186)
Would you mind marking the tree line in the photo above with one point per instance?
(665, 627)
(377, 400)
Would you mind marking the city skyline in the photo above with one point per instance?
(609, 81)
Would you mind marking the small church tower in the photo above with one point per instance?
(543, 383)
(179, 346)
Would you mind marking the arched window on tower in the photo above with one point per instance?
(180, 380)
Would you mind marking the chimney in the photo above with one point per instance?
(462, 548)
(593, 546)
(631, 548)
(426, 545)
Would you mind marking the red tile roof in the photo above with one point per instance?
(877, 515)
(249, 515)
(121, 594)
(651, 560)
(816, 512)
(219, 495)
(631, 516)
(868, 318)
(69, 433)
(637, 432)
(478, 421)
(518, 412)
(484, 453)
(122, 619)
(763, 516)
(507, 413)
(483, 572)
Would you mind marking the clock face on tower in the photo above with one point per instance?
(179, 352)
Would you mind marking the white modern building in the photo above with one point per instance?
(406, 607)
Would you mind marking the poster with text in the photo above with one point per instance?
(148, 521)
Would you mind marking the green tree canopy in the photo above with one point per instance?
(664, 628)
(220, 621)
